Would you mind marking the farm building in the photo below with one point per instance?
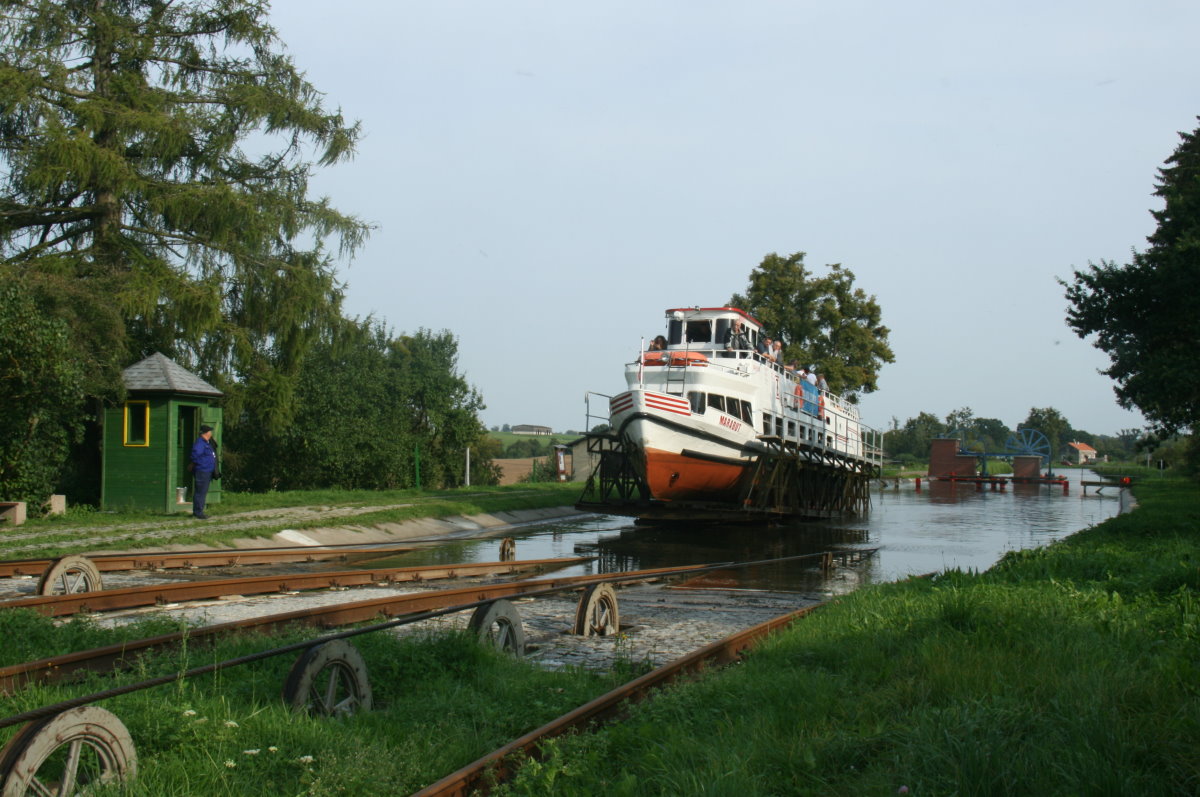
(1080, 453)
(526, 428)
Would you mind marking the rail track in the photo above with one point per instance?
(159, 594)
(169, 560)
(329, 676)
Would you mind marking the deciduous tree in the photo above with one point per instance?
(366, 402)
(1051, 423)
(1143, 314)
(823, 321)
(41, 390)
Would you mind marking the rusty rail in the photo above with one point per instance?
(167, 560)
(408, 607)
(494, 767)
(131, 597)
(52, 669)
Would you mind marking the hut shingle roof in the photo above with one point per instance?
(159, 372)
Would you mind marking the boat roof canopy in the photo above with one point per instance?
(697, 313)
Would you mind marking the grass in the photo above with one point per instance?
(440, 702)
(1070, 669)
(63, 534)
(508, 438)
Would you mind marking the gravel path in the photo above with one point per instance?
(659, 623)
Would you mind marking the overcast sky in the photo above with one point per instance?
(548, 178)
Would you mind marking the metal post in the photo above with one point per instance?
(417, 464)
(467, 477)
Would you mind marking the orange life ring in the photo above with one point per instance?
(821, 408)
(654, 358)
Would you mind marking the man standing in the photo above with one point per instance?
(736, 338)
(204, 466)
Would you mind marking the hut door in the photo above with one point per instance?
(185, 436)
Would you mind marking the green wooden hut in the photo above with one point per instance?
(148, 439)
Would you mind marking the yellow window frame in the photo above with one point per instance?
(145, 410)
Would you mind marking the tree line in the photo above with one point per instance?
(910, 441)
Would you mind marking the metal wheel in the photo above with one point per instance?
(597, 614)
(68, 754)
(499, 623)
(70, 575)
(330, 680)
(508, 549)
(1028, 442)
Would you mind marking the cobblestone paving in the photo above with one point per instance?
(658, 623)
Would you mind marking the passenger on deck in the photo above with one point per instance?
(777, 352)
(810, 374)
(658, 344)
(736, 338)
(821, 383)
(764, 347)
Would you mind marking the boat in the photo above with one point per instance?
(708, 431)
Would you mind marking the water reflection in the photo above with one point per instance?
(942, 526)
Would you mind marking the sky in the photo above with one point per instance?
(546, 179)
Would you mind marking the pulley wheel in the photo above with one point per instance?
(69, 753)
(499, 623)
(70, 575)
(508, 549)
(329, 680)
(597, 613)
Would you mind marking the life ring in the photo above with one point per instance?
(654, 358)
(821, 407)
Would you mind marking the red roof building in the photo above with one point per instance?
(1081, 453)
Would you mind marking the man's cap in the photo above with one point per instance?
(205, 428)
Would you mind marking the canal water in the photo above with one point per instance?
(908, 532)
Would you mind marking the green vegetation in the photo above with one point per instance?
(133, 208)
(1142, 314)
(440, 702)
(373, 411)
(823, 321)
(520, 446)
(155, 197)
(909, 442)
(84, 529)
(1071, 669)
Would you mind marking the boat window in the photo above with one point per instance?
(779, 427)
(696, 399)
(791, 428)
(747, 414)
(675, 332)
(723, 325)
(699, 331)
(767, 423)
(716, 402)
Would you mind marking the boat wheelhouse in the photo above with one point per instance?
(708, 428)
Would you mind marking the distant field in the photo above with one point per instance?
(508, 438)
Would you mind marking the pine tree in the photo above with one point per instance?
(156, 158)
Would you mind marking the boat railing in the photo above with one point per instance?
(849, 437)
(592, 421)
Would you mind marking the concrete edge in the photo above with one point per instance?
(480, 525)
